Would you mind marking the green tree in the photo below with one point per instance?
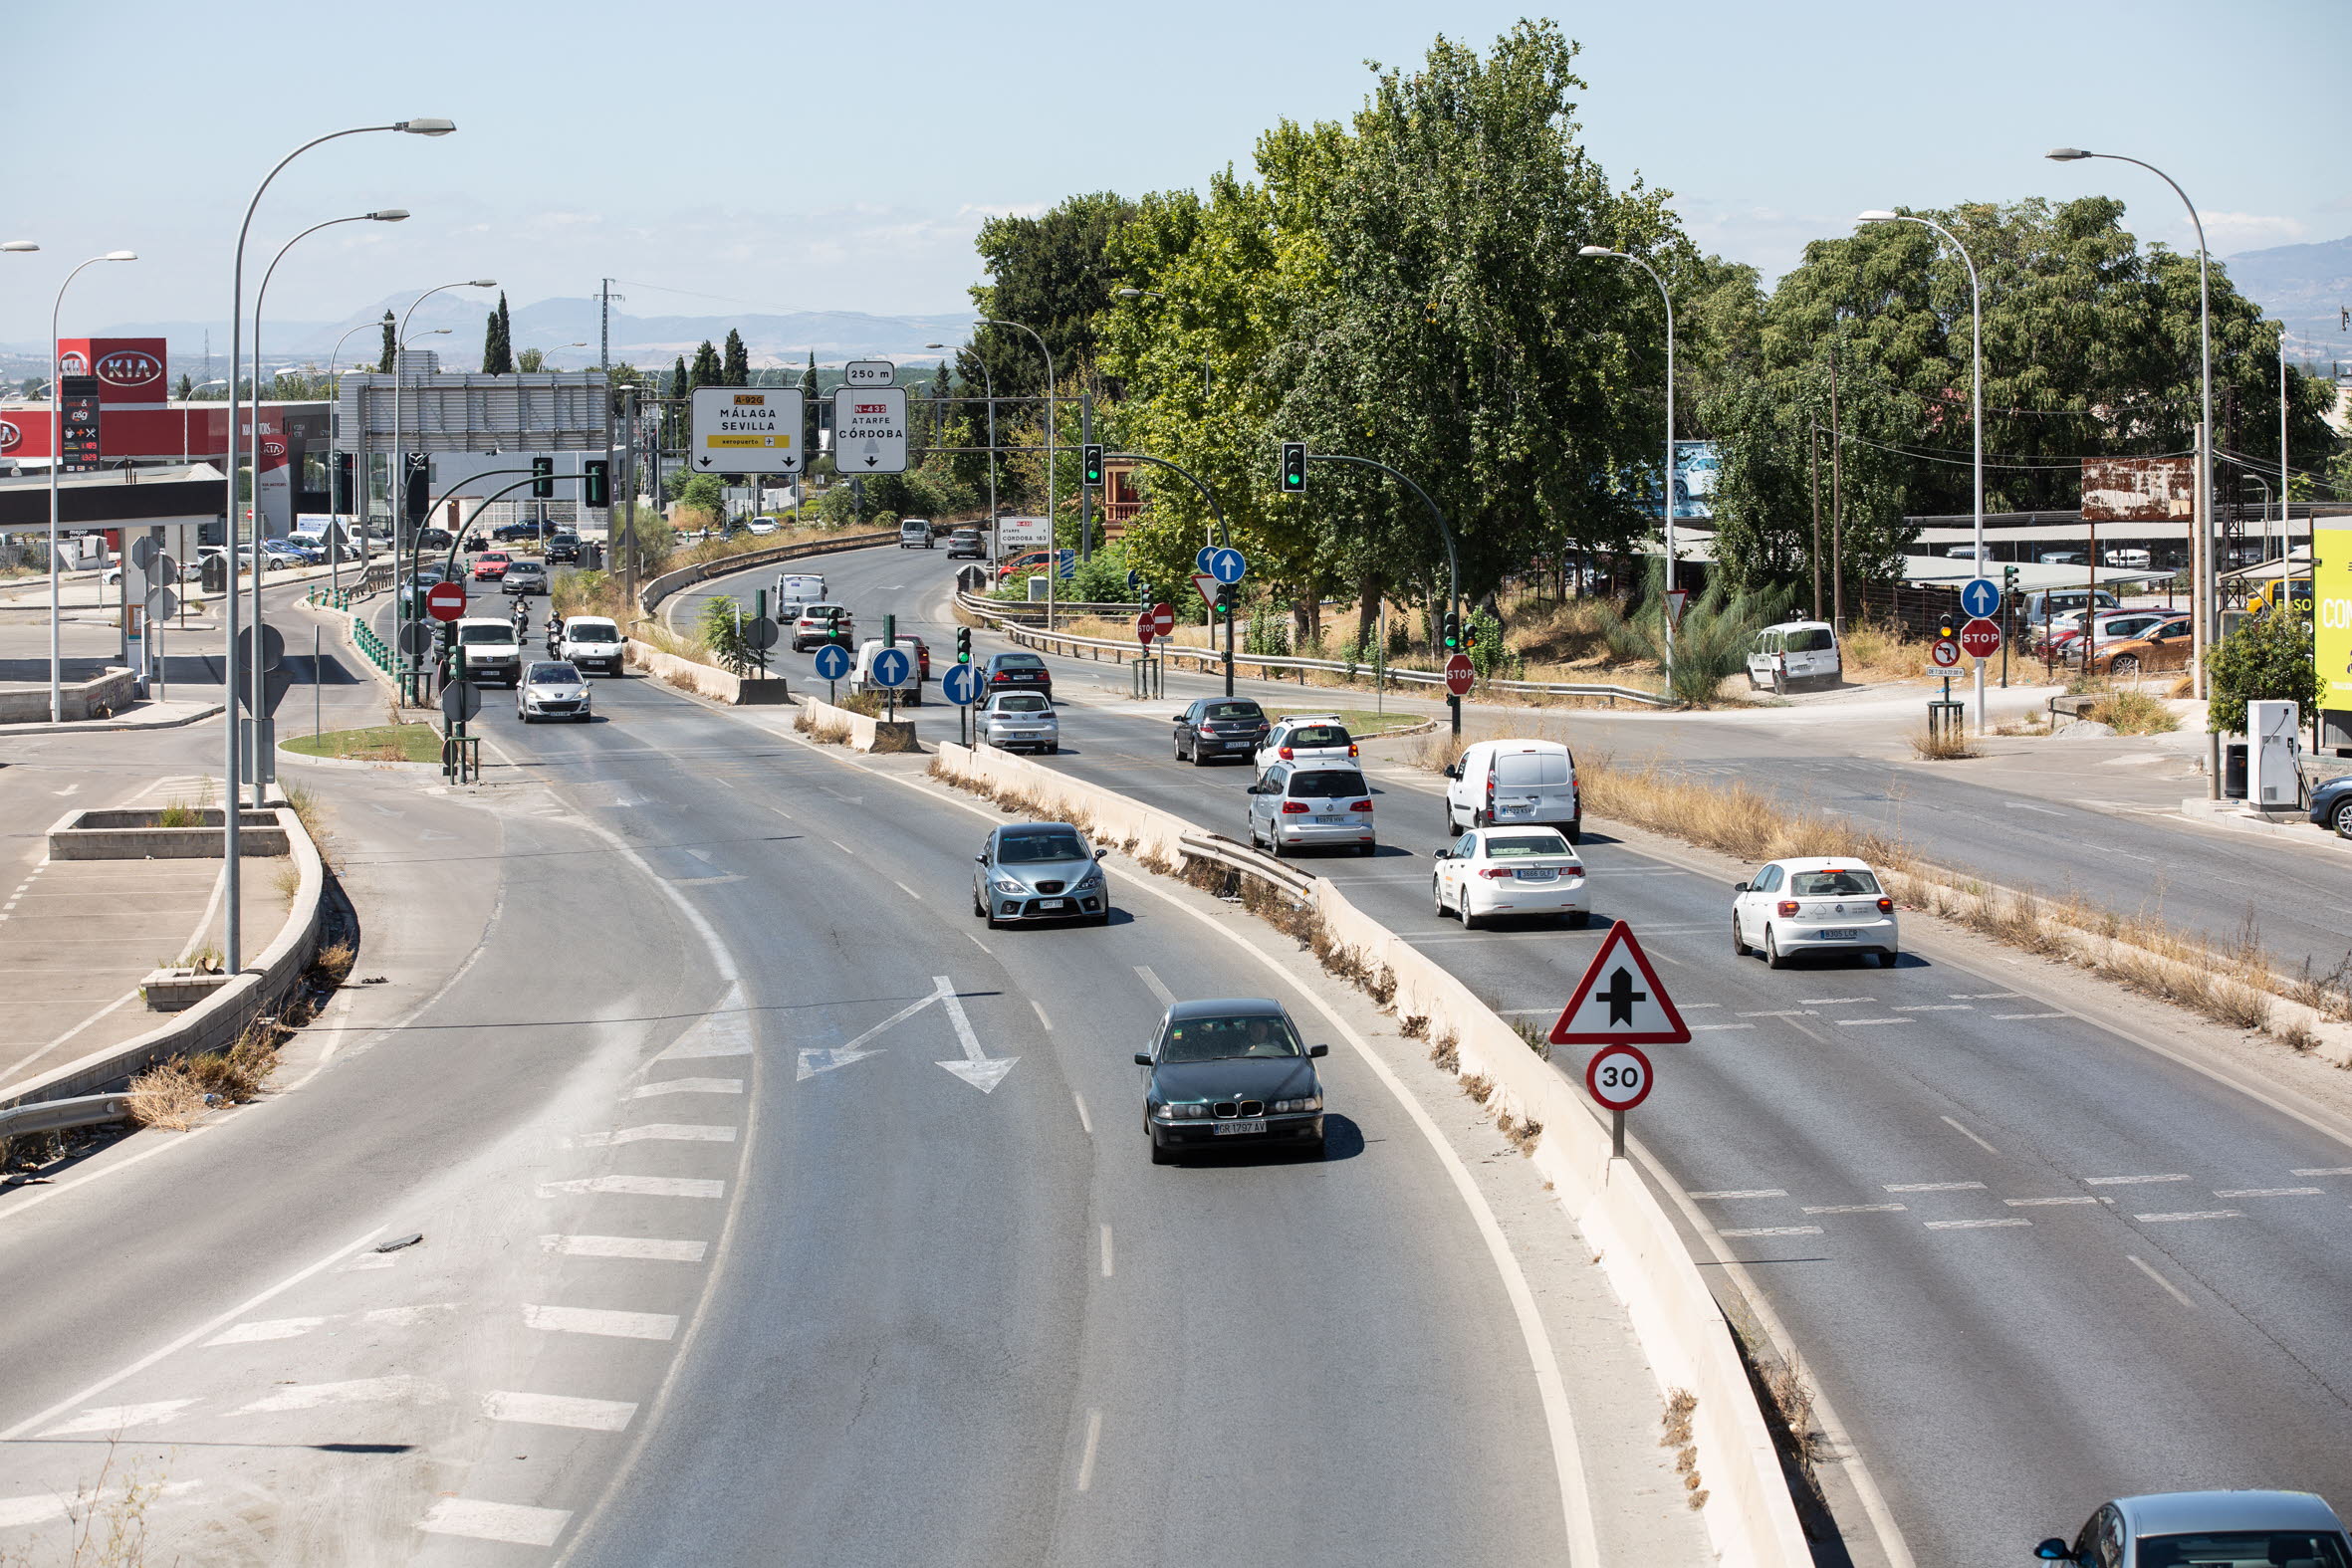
(1054, 274)
(679, 385)
(383, 363)
(721, 630)
(707, 370)
(2268, 658)
(735, 368)
(498, 352)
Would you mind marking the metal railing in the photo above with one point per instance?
(1239, 857)
(1270, 666)
(87, 1110)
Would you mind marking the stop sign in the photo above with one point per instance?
(445, 600)
(1146, 628)
(1163, 620)
(1980, 638)
(1458, 675)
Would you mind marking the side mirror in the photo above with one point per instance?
(1739, 887)
(1318, 1051)
(981, 860)
(1144, 1059)
(1099, 853)
(1453, 770)
(2054, 1550)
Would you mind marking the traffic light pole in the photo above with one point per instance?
(1445, 532)
(1224, 538)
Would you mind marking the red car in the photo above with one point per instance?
(1027, 560)
(492, 566)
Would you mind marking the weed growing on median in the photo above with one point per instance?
(1942, 745)
(1677, 1423)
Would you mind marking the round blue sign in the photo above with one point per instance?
(1980, 598)
(1200, 557)
(1226, 566)
(892, 667)
(959, 684)
(832, 662)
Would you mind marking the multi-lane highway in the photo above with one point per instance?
(2033, 1262)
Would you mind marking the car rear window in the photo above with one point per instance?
(1024, 702)
(1811, 639)
(1520, 770)
(484, 634)
(1235, 710)
(1519, 845)
(1317, 735)
(1328, 785)
(1832, 884)
(2244, 1549)
(1020, 661)
(1027, 849)
(1221, 1039)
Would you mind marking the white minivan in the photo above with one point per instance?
(1514, 782)
(1793, 653)
(793, 589)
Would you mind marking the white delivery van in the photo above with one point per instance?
(1793, 653)
(861, 674)
(793, 589)
(1511, 783)
(594, 642)
(491, 652)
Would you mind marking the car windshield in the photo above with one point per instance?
(1317, 735)
(1328, 785)
(1811, 640)
(1020, 661)
(590, 631)
(1023, 702)
(1832, 884)
(485, 633)
(1522, 769)
(1060, 844)
(2241, 1549)
(553, 675)
(1519, 846)
(1222, 1040)
(1235, 710)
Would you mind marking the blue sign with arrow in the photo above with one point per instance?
(832, 662)
(1980, 598)
(960, 684)
(892, 667)
(1226, 566)
(1200, 557)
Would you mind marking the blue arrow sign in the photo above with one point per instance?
(960, 684)
(892, 667)
(1134, 581)
(832, 662)
(1226, 566)
(1200, 557)
(1980, 598)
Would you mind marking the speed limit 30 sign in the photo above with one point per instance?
(1618, 1077)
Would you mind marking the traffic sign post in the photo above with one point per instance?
(1145, 630)
(1200, 557)
(1981, 638)
(832, 662)
(1618, 1077)
(870, 372)
(1945, 653)
(891, 667)
(445, 600)
(1163, 620)
(1460, 675)
(1228, 565)
(1206, 586)
(1980, 597)
(1619, 1006)
(959, 685)
(1677, 600)
(738, 430)
(869, 430)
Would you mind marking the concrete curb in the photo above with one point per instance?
(107, 726)
(865, 733)
(303, 758)
(2229, 814)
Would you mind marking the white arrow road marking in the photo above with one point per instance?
(984, 1072)
(813, 1062)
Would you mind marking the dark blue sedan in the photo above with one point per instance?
(2331, 806)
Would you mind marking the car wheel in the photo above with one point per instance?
(1739, 947)
(1888, 957)
(1160, 1153)
(1575, 832)
(1179, 751)
(1274, 845)
(2126, 665)
(1317, 1148)
(1469, 921)
(1367, 851)
(1579, 918)
(1053, 749)
(1437, 897)
(2344, 817)
(1452, 828)
(1773, 957)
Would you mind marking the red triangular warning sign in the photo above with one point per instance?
(1619, 1001)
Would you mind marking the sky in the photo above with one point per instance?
(790, 155)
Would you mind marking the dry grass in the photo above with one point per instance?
(1881, 653)
(2134, 712)
(105, 1521)
(1943, 745)
(1677, 1436)
(310, 812)
(332, 963)
(179, 814)
(823, 731)
(175, 1094)
(1791, 1402)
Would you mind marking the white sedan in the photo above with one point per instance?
(1308, 737)
(1510, 872)
(1815, 905)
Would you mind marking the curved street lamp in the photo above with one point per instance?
(1666, 476)
(1053, 380)
(57, 461)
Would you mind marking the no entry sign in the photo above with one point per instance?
(1163, 620)
(445, 600)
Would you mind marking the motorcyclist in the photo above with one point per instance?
(555, 632)
(522, 618)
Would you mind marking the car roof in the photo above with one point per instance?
(1225, 1007)
(2189, 1512)
(1036, 830)
(1306, 718)
(1527, 745)
(591, 620)
(500, 621)
(1800, 625)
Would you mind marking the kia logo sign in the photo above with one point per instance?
(273, 449)
(10, 435)
(129, 370)
(73, 364)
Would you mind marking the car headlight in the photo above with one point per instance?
(1313, 1102)
(1004, 884)
(1184, 1111)
(1092, 879)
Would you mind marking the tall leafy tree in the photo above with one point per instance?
(383, 363)
(736, 366)
(707, 370)
(1051, 273)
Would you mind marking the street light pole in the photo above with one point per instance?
(57, 459)
(1975, 412)
(1666, 476)
(1053, 541)
(988, 380)
(231, 872)
(334, 449)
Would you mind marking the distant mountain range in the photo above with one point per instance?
(2307, 287)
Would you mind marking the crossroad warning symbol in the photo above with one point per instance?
(1619, 1002)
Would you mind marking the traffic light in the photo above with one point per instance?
(213, 573)
(1228, 594)
(963, 645)
(1091, 462)
(597, 486)
(542, 479)
(340, 489)
(2009, 579)
(1946, 625)
(1470, 634)
(1452, 633)
(1294, 467)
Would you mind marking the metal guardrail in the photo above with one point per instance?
(1209, 660)
(89, 1110)
(1241, 858)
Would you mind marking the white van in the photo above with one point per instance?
(793, 589)
(915, 533)
(1509, 782)
(491, 652)
(1792, 653)
(861, 674)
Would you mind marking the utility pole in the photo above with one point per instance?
(604, 299)
(1817, 520)
(1838, 507)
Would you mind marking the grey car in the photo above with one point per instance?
(2293, 1529)
(1221, 1074)
(1307, 805)
(1039, 871)
(1014, 720)
(524, 576)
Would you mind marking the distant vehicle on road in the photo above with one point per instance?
(1814, 905)
(1313, 805)
(552, 689)
(915, 533)
(1021, 721)
(1028, 560)
(818, 624)
(795, 589)
(491, 566)
(1219, 727)
(525, 577)
(861, 675)
(1515, 784)
(1510, 872)
(594, 642)
(513, 532)
(1305, 737)
(491, 651)
(2164, 646)
(1794, 653)
(2046, 603)
(563, 546)
(763, 526)
(1019, 671)
(1039, 871)
(1230, 1072)
(2207, 1530)
(965, 541)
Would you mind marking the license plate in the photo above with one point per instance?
(1840, 934)
(1332, 821)
(1226, 1129)
(1516, 807)
(1057, 903)
(1538, 874)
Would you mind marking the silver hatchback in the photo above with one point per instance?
(1021, 721)
(1308, 805)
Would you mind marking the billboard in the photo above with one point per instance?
(1023, 534)
(1696, 465)
(2138, 489)
(2331, 624)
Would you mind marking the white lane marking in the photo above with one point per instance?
(1859, 1209)
(1934, 1007)
(1976, 1224)
(410, 1317)
(601, 1321)
(1040, 1011)
(1107, 1261)
(1983, 996)
(687, 1086)
(2169, 1288)
(16, 1511)
(1155, 984)
(1971, 1137)
(1834, 1002)
(827, 1058)
(558, 1409)
(982, 946)
(2324, 1170)
(2194, 1214)
(1086, 1458)
(1085, 1122)
(1787, 1012)
(1932, 1186)
(2128, 1180)
(265, 1329)
(2004, 1017)
(1746, 1191)
(359, 1391)
(2268, 1192)
(658, 1132)
(908, 891)
(648, 1248)
(511, 1523)
(1718, 1028)
(367, 1260)
(121, 1418)
(2052, 1203)
(638, 1186)
(1849, 1023)
(209, 1326)
(1777, 1230)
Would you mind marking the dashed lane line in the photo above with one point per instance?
(2270, 1191)
(655, 1249)
(657, 1132)
(2193, 1213)
(2170, 1289)
(1932, 1186)
(119, 1417)
(1775, 1229)
(601, 1321)
(496, 1521)
(1976, 1225)
(559, 1410)
(2131, 1181)
(638, 1186)
(1751, 1192)
(1859, 1209)
(2054, 1203)
(359, 1391)
(687, 1086)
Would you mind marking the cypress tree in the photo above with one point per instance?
(738, 367)
(678, 378)
(707, 371)
(498, 344)
(384, 367)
